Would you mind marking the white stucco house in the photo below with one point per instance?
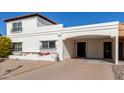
(36, 37)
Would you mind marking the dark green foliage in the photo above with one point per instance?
(5, 47)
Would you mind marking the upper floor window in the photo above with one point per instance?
(48, 44)
(17, 26)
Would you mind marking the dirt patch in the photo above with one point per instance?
(118, 71)
(11, 68)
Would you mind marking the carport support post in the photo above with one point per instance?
(60, 47)
(116, 50)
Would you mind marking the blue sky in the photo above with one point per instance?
(68, 18)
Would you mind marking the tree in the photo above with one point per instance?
(5, 47)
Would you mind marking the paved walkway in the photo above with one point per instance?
(70, 70)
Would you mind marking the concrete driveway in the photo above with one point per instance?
(69, 70)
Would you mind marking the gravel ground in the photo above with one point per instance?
(118, 71)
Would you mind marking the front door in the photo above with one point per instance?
(107, 49)
(81, 49)
(120, 50)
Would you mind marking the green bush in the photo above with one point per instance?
(5, 47)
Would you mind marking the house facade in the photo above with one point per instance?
(36, 37)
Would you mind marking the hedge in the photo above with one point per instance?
(5, 47)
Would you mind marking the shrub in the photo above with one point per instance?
(5, 47)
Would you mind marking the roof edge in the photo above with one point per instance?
(29, 15)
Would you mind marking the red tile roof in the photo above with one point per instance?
(29, 15)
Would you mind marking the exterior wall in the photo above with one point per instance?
(32, 35)
(94, 48)
(113, 48)
(69, 49)
(33, 57)
(31, 43)
(122, 40)
(121, 35)
(121, 30)
(42, 22)
(29, 25)
(35, 30)
(49, 29)
(32, 25)
(103, 29)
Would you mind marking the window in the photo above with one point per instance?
(45, 45)
(17, 47)
(52, 44)
(48, 45)
(17, 26)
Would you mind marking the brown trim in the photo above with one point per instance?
(30, 15)
(121, 23)
(121, 29)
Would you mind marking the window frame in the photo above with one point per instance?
(48, 45)
(42, 44)
(18, 48)
(17, 26)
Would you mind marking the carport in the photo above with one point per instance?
(91, 41)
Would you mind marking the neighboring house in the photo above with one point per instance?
(36, 37)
